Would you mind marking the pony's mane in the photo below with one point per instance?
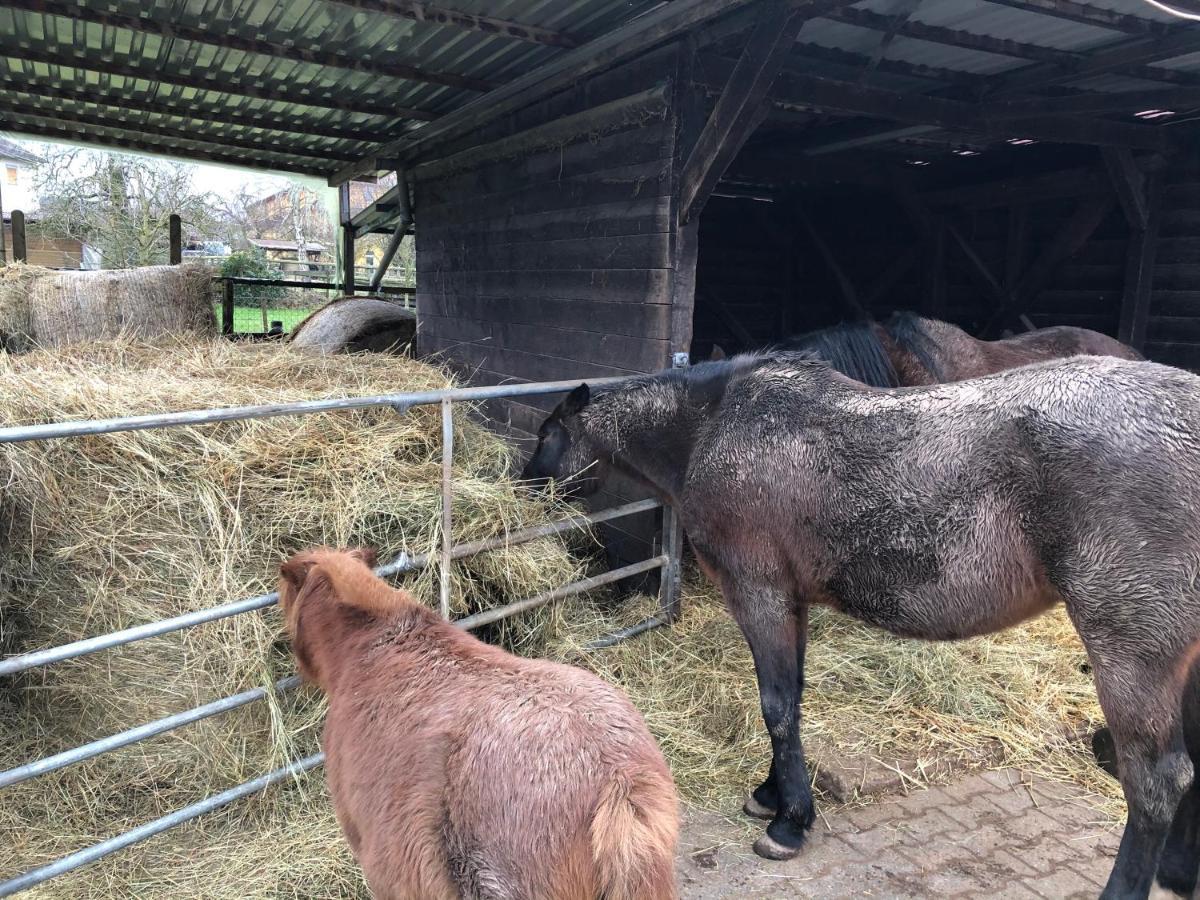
(852, 348)
(908, 330)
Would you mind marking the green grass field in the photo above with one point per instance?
(249, 318)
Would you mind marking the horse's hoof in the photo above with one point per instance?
(756, 810)
(769, 848)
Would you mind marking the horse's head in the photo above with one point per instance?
(565, 454)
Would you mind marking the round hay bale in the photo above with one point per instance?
(47, 308)
(110, 531)
(356, 324)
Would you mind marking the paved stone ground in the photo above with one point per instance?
(997, 834)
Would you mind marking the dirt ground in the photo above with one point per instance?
(996, 834)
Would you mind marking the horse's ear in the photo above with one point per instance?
(575, 401)
(718, 353)
(366, 555)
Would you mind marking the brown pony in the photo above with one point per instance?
(459, 770)
(909, 350)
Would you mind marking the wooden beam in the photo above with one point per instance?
(122, 124)
(655, 27)
(886, 280)
(1071, 64)
(60, 131)
(190, 108)
(435, 15)
(737, 110)
(174, 239)
(1056, 185)
(20, 247)
(1172, 98)
(1129, 183)
(226, 39)
(978, 267)
(326, 98)
(1139, 269)
(1014, 249)
(344, 220)
(160, 138)
(935, 303)
(1085, 14)
(859, 61)
(845, 285)
(807, 91)
(736, 328)
(899, 14)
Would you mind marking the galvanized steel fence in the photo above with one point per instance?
(666, 558)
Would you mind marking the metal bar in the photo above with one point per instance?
(403, 563)
(447, 494)
(503, 612)
(157, 826)
(312, 285)
(140, 733)
(623, 634)
(235, 413)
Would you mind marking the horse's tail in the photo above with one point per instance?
(908, 330)
(634, 831)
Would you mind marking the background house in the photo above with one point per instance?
(16, 177)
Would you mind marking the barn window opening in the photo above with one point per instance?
(10, 174)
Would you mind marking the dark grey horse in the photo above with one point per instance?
(936, 512)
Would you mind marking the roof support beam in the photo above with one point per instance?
(1177, 98)
(226, 40)
(1130, 185)
(1085, 14)
(122, 123)
(737, 112)
(631, 39)
(279, 93)
(1069, 64)
(1139, 267)
(435, 15)
(186, 109)
(64, 131)
(916, 109)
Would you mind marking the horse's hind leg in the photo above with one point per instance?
(1180, 863)
(1142, 705)
(776, 633)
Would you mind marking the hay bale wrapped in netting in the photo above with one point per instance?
(356, 324)
(109, 531)
(47, 308)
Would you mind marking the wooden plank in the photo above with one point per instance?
(1130, 184)
(845, 285)
(737, 111)
(1174, 302)
(1087, 217)
(626, 218)
(936, 303)
(636, 251)
(227, 40)
(1064, 183)
(20, 246)
(174, 239)
(519, 363)
(612, 285)
(1172, 353)
(617, 115)
(1018, 236)
(655, 27)
(554, 338)
(644, 320)
(1139, 271)
(1086, 14)
(1173, 329)
(886, 281)
(1092, 104)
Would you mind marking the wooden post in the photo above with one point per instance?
(175, 225)
(347, 239)
(227, 308)
(20, 249)
(1139, 269)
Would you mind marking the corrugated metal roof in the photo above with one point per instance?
(307, 85)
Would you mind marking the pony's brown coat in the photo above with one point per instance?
(459, 770)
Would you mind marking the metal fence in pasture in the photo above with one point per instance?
(665, 557)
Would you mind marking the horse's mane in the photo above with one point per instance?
(853, 348)
(908, 330)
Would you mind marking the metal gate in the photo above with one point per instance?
(666, 558)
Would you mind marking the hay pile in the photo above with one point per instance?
(1013, 698)
(47, 308)
(113, 530)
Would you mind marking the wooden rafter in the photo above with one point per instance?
(426, 12)
(186, 109)
(738, 109)
(899, 14)
(225, 39)
(1172, 98)
(622, 43)
(123, 123)
(1129, 183)
(1086, 14)
(845, 285)
(1066, 62)
(1139, 267)
(65, 131)
(858, 61)
(279, 93)
(918, 109)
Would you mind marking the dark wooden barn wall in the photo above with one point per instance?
(1173, 328)
(558, 264)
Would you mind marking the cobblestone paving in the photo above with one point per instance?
(996, 834)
